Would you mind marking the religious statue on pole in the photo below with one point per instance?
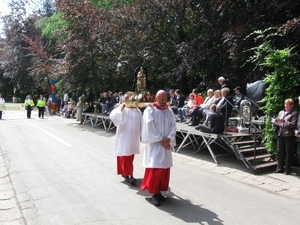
(140, 83)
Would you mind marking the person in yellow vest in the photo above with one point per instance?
(29, 106)
(41, 104)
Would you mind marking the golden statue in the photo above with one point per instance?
(141, 84)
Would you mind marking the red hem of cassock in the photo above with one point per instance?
(125, 165)
(156, 180)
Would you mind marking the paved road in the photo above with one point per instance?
(55, 171)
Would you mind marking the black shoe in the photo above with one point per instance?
(125, 177)
(191, 124)
(132, 180)
(287, 173)
(298, 173)
(197, 128)
(155, 200)
(278, 171)
(161, 197)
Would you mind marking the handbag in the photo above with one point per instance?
(232, 129)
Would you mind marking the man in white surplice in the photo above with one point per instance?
(158, 135)
(128, 120)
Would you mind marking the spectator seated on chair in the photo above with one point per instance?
(225, 104)
(215, 100)
(172, 97)
(89, 108)
(214, 123)
(103, 101)
(109, 105)
(179, 101)
(184, 111)
(64, 109)
(198, 100)
(204, 107)
(71, 111)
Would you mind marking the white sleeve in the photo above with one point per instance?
(116, 116)
(149, 131)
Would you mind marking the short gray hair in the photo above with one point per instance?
(225, 89)
(128, 94)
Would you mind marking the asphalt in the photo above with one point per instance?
(229, 166)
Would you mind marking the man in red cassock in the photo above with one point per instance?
(158, 135)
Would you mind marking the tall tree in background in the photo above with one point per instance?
(98, 44)
(15, 63)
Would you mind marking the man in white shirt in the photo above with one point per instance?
(1, 101)
(66, 97)
(158, 135)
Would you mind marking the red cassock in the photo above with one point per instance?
(125, 165)
(156, 180)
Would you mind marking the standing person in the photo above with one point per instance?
(286, 122)
(41, 104)
(29, 106)
(65, 97)
(297, 134)
(58, 103)
(128, 121)
(222, 83)
(158, 135)
(79, 109)
(238, 97)
(49, 103)
(1, 101)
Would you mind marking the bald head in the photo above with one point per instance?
(161, 98)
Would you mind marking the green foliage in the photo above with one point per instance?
(51, 26)
(282, 79)
(110, 4)
(97, 44)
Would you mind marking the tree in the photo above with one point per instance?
(281, 76)
(15, 63)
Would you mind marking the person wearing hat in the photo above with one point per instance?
(222, 82)
(238, 97)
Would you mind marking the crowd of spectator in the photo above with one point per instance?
(72, 106)
(200, 111)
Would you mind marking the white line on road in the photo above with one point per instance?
(58, 139)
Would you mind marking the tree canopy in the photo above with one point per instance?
(97, 44)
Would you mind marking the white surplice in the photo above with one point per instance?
(158, 124)
(128, 134)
